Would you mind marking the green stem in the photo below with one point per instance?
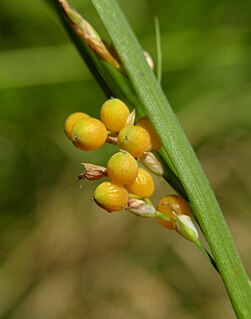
(162, 216)
(204, 251)
(158, 49)
(181, 154)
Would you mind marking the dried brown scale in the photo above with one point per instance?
(87, 33)
(92, 172)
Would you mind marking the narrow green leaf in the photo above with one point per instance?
(181, 155)
(158, 49)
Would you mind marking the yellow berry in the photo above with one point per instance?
(171, 203)
(134, 139)
(114, 114)
(111, 197)
(89, 134)
(122, 168)
(143, 185)
(71, 120)
(146, 124)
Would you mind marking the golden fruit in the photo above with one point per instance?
(111, 197)
(122, 168)
(71, 120)
(142, 185)
(89, 134)
(134, 139)
(114, 114)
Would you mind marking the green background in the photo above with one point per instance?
(60, 255)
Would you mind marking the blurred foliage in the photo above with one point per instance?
(61, 256)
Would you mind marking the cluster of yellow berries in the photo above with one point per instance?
(129, 186)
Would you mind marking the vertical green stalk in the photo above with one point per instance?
(181, 154)
(158, 49)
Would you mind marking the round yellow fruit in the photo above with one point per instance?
(134, 139)
(111, 197)
(114, 114)
(89, 134)
(142, 185)
(71, 120)
(122, 168)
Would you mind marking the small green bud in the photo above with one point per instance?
(185, 227)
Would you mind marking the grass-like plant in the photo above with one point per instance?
(129, 78)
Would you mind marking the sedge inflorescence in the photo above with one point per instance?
(128, 186)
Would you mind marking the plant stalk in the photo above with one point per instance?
(181, 154)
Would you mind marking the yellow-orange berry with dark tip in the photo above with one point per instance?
(170, 204)
(111, 197)
(114, 114)
(89, 134)
(134, 139)
(143, 185)
(122, 168)
(71, 120)
(146, 124)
